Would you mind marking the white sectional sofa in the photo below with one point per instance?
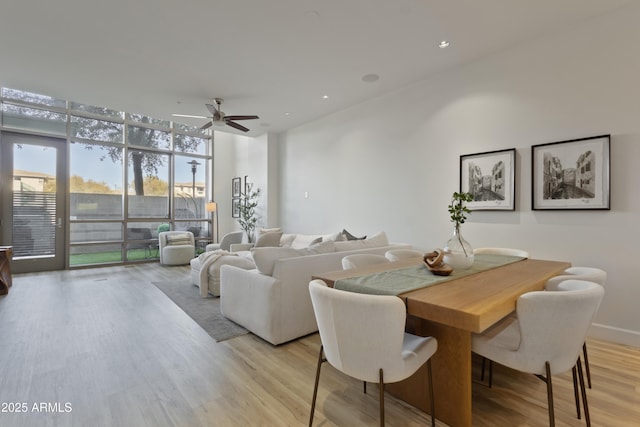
(272, 300)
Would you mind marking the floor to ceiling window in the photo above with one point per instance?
(128, 176)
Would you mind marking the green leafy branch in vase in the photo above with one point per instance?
(248, 217)
(459, 211)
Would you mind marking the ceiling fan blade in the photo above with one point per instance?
(241, 117)
(237, 126)
(206, 125)
(190, 115)
(211, 108)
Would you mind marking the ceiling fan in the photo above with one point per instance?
(219, 118)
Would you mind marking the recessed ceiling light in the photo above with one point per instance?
(287, 113)
(325, 96)
(370, 78)
(443, 44)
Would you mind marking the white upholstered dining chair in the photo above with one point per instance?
(361, 260)
(502, 251)
(394, 255)
(590, 274)
(360, 342)
(498, 251)
(547, 335)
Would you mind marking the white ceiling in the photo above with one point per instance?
(264, 57)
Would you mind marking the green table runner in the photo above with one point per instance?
(396, 282)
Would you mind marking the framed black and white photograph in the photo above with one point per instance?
(246, 184)
(235, 208)
(236, 189)
(573, 174)
(490, 178)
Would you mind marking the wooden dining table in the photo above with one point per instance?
(452, 311)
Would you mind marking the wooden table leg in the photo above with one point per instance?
(451, 375)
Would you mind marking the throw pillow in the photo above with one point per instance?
(379, 239)
(303, 240)
(178, 239)
(268, 230)
(375, 241)
(320, 248)
(335, 237)
(268, 239)
(350, 236)
(286, 240)
(315, 241)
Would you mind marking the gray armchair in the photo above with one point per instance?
(227, 240)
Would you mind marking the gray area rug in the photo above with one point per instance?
(205, 311)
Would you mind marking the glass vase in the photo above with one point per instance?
(458, 253)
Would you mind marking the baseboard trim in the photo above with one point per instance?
(617, 335)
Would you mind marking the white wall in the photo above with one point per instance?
(392, 163)
(240, 156)
(224, 164)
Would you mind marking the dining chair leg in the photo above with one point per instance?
(315, 387)
(575, 389)
(586, 363)
(381, 398)
(552, 418)
(484, 360)
(490, 373)
(431, 398)
(585, 405)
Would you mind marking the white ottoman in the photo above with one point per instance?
(205, 269)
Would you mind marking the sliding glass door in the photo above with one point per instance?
(34, 201)
(84, 185)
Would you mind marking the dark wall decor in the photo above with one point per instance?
(490, 178)
(236, 187)
(236, 192)
(573, 174)
(235, 208)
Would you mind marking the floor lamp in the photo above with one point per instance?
(213, 207)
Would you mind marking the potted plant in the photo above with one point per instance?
(248, 217)
(458, 252)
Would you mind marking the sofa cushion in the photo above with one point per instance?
(269, 239)
(265, 258)
(178, 239)
(377, 240)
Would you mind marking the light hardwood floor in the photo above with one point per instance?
(115, 350)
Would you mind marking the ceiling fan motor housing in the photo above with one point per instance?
(218, 117)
